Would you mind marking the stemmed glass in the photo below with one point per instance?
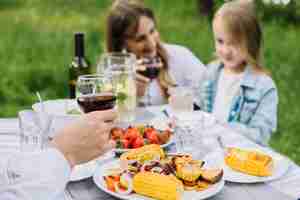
(151, 72)
(95, 92)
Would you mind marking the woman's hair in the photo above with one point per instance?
(240, 22)
(122, 23)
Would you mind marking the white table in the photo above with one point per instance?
(286, 188)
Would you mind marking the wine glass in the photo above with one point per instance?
(95, 92)
(151, 72)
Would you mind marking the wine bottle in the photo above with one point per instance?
(79, 65)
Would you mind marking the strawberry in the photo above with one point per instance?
(122, 144)
(131, 133)
(125, 143)
(152, 137)
(116, 133)
(138, 142)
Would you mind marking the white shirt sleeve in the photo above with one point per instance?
(186, 68)
(34, 176)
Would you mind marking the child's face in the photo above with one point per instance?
(227, 51)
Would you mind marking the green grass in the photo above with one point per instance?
(36, 47)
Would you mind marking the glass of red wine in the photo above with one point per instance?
(151, 72)
(95, 92)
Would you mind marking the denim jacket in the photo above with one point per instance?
(253, 111)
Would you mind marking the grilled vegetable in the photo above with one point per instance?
(158, 186)
(212, 175)
(188, 169)
(145, 153)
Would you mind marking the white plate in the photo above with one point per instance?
(87, 170)
(281, 166)
(187, 195)
(59, 107)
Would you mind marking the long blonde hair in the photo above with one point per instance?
(241, 23)
(123, 21)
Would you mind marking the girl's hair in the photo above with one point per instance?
(240, 22)
(122, 23)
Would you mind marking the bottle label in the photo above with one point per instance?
(72, 82)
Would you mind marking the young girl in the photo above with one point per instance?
(238, 91)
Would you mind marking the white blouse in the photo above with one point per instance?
(184, 67)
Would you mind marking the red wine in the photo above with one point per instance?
(152, 69)
(93, 102)
(150, 72)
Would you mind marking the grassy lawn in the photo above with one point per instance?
(36, 41)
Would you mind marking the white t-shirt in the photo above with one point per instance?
(184, 68)
(228, 87)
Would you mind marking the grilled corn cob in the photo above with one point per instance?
(145, 153)
(157, 186)
(249, 162)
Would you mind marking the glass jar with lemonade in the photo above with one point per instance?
(121, 67)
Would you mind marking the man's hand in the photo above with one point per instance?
(87, 138)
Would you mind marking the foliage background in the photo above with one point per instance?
(36, 47)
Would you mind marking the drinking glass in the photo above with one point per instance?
(189, 138)
(181, 99)
(95, 92)
(121, 67)
(34, 130)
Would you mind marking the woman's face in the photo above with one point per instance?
(227, 51)
(144, 43)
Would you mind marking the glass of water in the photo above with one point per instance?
(34, 130)
(189, 139)
(181, 99)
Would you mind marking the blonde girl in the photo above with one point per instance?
(239, 91)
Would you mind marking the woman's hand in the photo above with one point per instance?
(141, 80)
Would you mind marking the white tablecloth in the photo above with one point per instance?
(287, 187)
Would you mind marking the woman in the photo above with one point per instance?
(132, 27)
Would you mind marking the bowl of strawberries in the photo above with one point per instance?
(135, 136)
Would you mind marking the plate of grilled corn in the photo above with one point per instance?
(149, 173)
(246, 165)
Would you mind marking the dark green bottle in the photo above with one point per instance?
(80, 65)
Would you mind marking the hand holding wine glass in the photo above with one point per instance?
(148, 70)
(95, 92)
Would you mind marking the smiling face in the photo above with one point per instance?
(228, 49)
(145, 41)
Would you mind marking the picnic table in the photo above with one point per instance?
(284, 188)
